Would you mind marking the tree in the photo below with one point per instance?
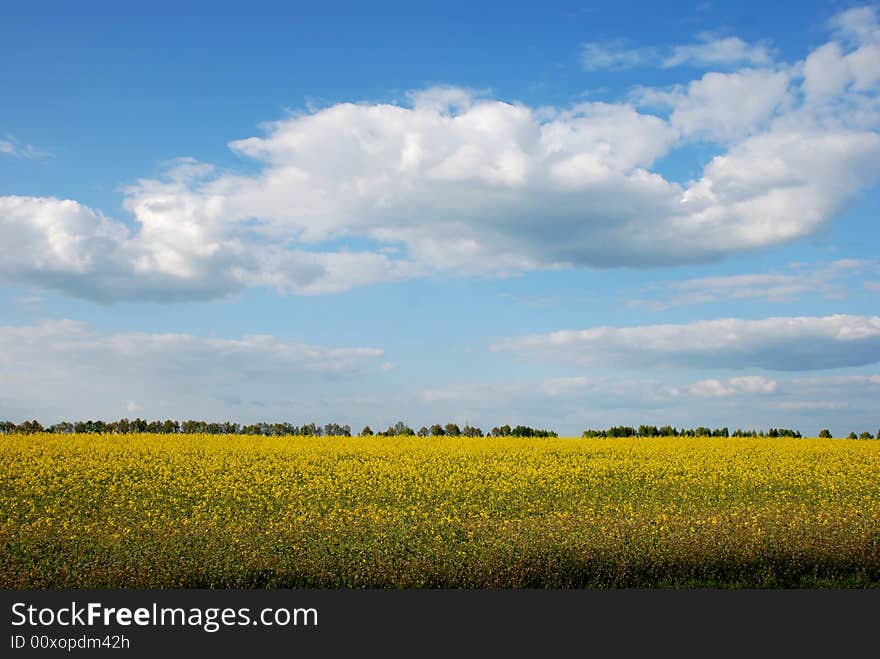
(852, 435)
(452, 430)
(825, 433)
(423, 432)
(402, 430)
(437, 430)
(866, 435)
(367, 432)
(330, 430)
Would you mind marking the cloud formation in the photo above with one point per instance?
(748, 385)
(792, 283)
(783, 344)
(10, 146)
(614, 55)
(709, 50)
(67, 368)
(571, 404)
(453, 183)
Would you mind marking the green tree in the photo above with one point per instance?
(825, 433)
(403, 430)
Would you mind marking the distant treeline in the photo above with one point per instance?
(452, 430)
(703, 431)
(699, 431)
(190, 427)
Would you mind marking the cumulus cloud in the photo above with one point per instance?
(724, 107)
(785, 344)
(456, 183)
(67, 368)
(851, 60)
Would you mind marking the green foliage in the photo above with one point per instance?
(699, 431)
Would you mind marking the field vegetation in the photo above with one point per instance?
(210, 511)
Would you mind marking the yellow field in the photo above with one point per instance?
(149, 511)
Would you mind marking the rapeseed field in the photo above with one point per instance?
(208, 511)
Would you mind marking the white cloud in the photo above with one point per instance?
(748, 385)
(770, 286)
(719, 51)
(859, 24)
(708, 51)
(10, 146)
(141, 352)
(838, 380)
(67, 368)
(753, 384)
(725, 107)
(458, 184)
(614, 56)
(564, 386)
(853, 59)
(811, 405)
(785, 344)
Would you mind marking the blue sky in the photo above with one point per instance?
(566, 215)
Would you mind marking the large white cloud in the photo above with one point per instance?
(454, 183)
(785, 344)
